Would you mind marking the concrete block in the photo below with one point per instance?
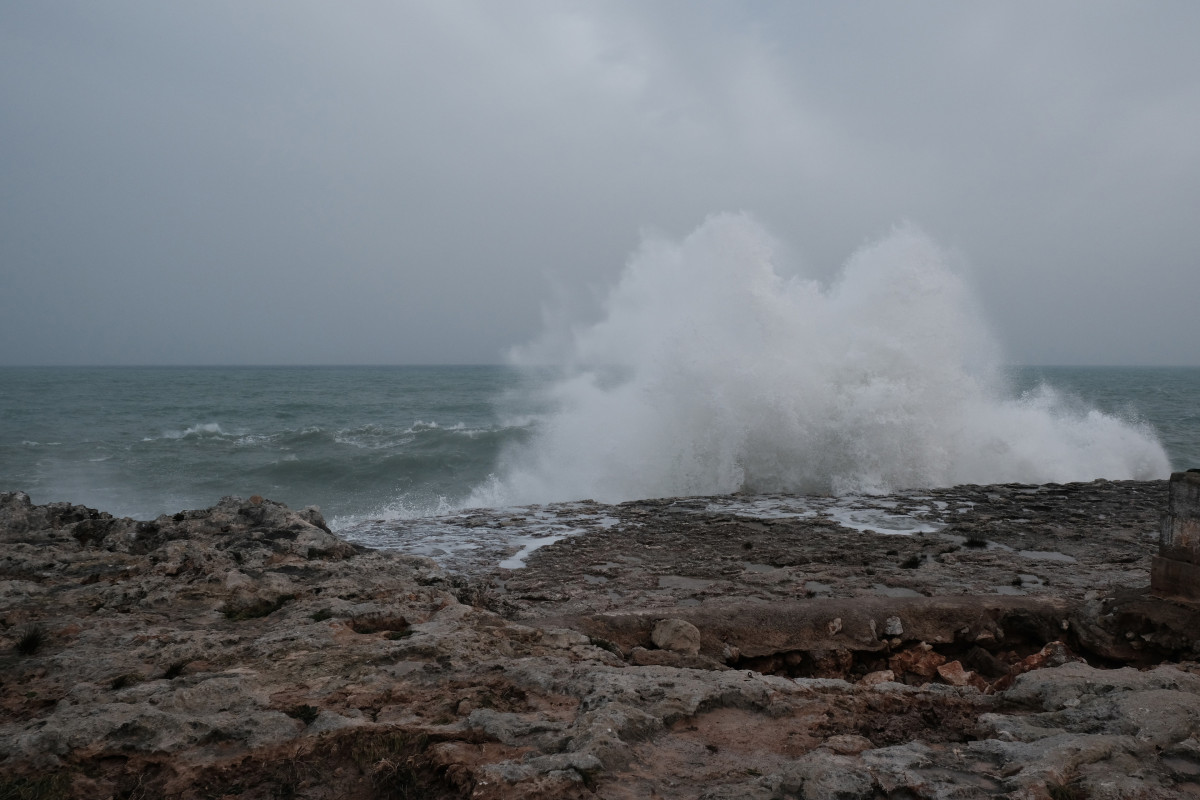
(1175, 571)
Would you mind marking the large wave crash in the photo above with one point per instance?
(709, 373)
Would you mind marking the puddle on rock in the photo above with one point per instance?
(1047, 555)
(682, 582)
(895, 591)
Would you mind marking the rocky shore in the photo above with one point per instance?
(1005, 645)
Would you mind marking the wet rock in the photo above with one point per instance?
(245, 650)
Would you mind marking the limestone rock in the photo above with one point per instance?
(676, 635)
(245, 650)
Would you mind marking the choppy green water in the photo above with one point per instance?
(359, 441)
(145, 441)
(1168, 398)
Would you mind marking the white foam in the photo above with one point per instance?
(474, 539)
(199, 430)
(528, 545)
(881, 521)
(711, 373)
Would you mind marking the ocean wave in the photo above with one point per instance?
(457, 429)
(198, 431)
(256, 439)
(378, 437)
(711, 373)
(399, 509)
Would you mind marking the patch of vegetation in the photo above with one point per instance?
(394, 761)
(305, 713)
(322, 615)
(1060, 791)
(479, 593)
(175, 669)
(367, 751)
(605, 644)
(255, 609)
(975, 542)
(31, 639)
(912, 562)
(591, 778)
(379, 763)
(375, 624)
(44, 787)
(121, 681)
(507, 698)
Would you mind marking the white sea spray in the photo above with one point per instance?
(711, 373)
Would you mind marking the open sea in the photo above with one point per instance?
(407, 442)
(705, 372)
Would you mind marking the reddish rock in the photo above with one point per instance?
(954, 674)
(921, 661)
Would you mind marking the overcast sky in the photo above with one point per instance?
(361, 182)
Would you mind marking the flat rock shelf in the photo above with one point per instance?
(972, 642)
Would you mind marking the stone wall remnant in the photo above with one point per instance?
(1175, 571)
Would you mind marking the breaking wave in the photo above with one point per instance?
(711, 373)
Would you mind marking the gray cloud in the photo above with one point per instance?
(398, 183)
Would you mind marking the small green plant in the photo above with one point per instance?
(322, 615)
(31, 639)
(605, 644)
(121, 681)
(368, 751)
(376, 624)
(45, 787)
(1059, 791)
(175, 669)
(305, 713)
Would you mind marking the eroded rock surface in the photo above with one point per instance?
(245, 651)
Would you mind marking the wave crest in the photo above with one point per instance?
(711, 373)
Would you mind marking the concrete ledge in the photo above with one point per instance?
(1171, 578)
(1175, 571)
